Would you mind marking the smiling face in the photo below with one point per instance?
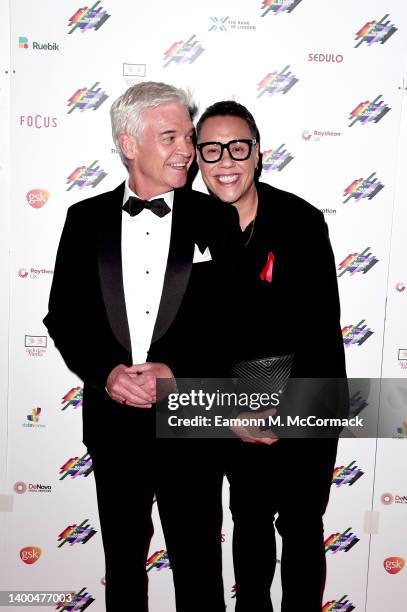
(159, 162)
(231, 181)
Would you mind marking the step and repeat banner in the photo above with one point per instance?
(325, 82)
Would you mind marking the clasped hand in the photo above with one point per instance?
(136, 385)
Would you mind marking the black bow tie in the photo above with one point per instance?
(134, 206)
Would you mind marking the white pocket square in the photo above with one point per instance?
(201, 257)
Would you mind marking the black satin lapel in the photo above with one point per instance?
(110, 267)
(179, 266)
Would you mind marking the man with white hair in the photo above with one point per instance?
(147, 306)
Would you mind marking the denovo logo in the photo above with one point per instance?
(30, 554)
(37, 197)
(394, 565)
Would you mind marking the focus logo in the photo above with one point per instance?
(394, 565)
(37, 197)
(38, 121)
(30, 554)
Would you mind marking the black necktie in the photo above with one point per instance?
(134, 206)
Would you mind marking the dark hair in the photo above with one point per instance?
(229, 108)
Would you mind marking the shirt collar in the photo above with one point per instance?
(168, 196)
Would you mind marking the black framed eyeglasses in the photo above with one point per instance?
(239, 150)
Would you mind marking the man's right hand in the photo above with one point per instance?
(123, 387)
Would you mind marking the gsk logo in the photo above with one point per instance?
(30, 554)
(37, 197)
(394, 565)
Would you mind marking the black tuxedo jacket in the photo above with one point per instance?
(87, 313)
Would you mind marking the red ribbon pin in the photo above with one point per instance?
(267, 273)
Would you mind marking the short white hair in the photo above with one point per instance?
(126, 112)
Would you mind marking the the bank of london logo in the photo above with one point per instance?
(88, 18)
(368, 112)
(277, 82)
(218, 24)
(86, 176)
(375, 32)
(279, 6)
(361, 188)
(183, 52)
(276, 159)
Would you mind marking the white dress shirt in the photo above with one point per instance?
(145, 246)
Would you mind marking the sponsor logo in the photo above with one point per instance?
(277, 82)
(400, 287)
(86, 176)
(218, 24)
(357, 262)
(30, 554)
(73, 398)
(21, 487)
(183, 52)
(330, 58)
(328, 211)
(38, 121)
(318, 135)
(77, 466)
(343, 605)
(366, 112)
(79, 602)
(402, 431)
(276, 159)
(134, 73)
(23, 43)
(279, 6)
(356, 334)
(357, 403)
(88, 18)
(388, 498)
(402, 358)
(363, 188)
(375, 32)
(158, 560)
(346, 475)
(76, 534)
(33, 418)
(87, 98)
(394, 565)
(338, 542)
(23, 273)
(33, 273)
(37, 198)
(35, 345)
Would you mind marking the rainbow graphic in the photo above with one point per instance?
(346, 475)
(356, 334)
(34, 417)
(363, 188)
(338, 542)
(76, 534)
(356, 404)
(357, 262)
(277, 82)
(375, 32)
(86, 176)
(87, 98)
(365, 112)
(340, 605)
(77, 466)
(88, 18)
(80, 601)
(279, 6)
(276, 159)
(158, 560)
(183, 52)
(73, 398)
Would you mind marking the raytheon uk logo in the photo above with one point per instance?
(183, 52)
(366, 112)
(338, 542)
(363, 188)
(76, 534)
(88, 18)
(356, 334)
(340, 605)
(394, 565)
(279, 6)
(24, 43)
(77, 466)
(277, 82)
(30, 554)
(158, 560)
(375, 32)
(87, 98)
(79, 602)
(276, 159)
(73, 398)
(86, 176)
(346, 475)
(357, 262)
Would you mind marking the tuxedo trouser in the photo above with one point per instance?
(291, 478)
(186, 477)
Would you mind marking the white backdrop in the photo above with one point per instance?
(304, 71)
